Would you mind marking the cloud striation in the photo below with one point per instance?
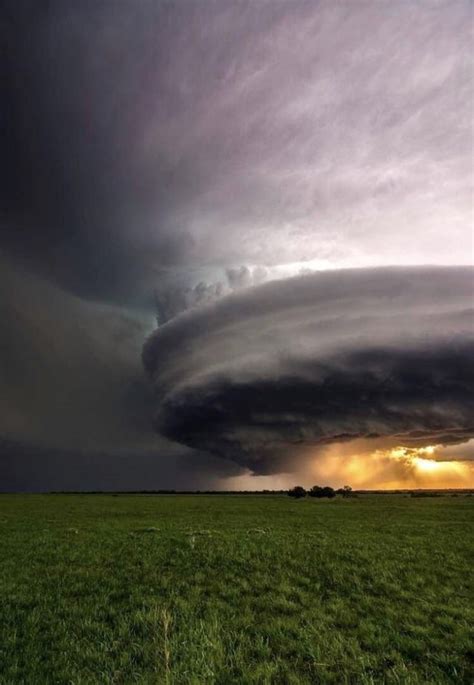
(319, 359)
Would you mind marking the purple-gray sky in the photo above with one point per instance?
(165, 156)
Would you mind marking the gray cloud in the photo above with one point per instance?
(171, 300)
(75, 408)
(317, 359)
(218, 134)
(69, 370)
(464, 452)
(26, 466)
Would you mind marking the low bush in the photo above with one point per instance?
(297, 492)
(318, 491)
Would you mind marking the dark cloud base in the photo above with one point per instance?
(30, 467)
(374, 394)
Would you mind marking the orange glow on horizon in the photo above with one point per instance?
(366, 465)
(393, 468)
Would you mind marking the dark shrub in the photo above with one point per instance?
(318, 491)
(297, 492)
(346, 491)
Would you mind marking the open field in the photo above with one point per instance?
(235, 589)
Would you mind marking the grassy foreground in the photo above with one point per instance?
(235, 589)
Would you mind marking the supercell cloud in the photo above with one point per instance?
(318, 359)
(178, 161)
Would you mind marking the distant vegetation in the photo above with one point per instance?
(297, 492)
(346, 491)
(253, 590)
(320, 492)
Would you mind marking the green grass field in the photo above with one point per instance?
(235, 589)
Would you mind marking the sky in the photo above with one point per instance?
(236, 244)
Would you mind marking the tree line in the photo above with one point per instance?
(320, 491)
(297, 492)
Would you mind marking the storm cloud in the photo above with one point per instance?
(75, 408)
(149, 138)
(318, 359)
(160, 161)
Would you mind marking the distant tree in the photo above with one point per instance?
(346, 491)
(297, 492)
(318, 491)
